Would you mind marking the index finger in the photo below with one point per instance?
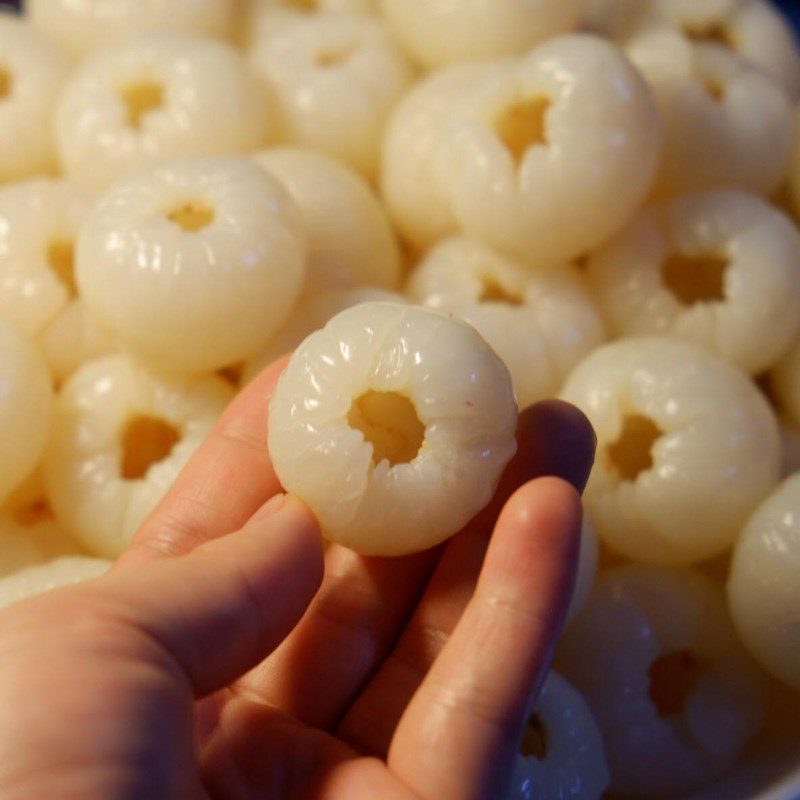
(226, 481)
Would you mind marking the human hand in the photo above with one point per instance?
(221, 658)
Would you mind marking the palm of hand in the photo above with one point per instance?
(404, 678)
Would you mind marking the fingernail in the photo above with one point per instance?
(271, 507)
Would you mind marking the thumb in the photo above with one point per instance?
(219, 610)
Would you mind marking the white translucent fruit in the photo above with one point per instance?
(763, 586)
(84, 26)
(120, 437)
(156, 96)
(311, 314)
(551, 155)
(673, 692)
(260, 11)
(726, 123)
(26, 399)
(336, 78)
(29, 533)
(350, 240)
(562, 754)
(440, 32)
(32, 72)
(394, 424)
(721, 269)
(39, 221)
(616, 19)
(541, 323)
(417, 207)
(754, 29)
(686, 448)
(193, 264)
(63, 571)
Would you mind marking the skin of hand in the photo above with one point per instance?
(225, 656)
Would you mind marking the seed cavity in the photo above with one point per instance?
(715, 33)
(192, 217)
(232, 373)
(140, 98)
(672, 677)
(32, 513)
(336, 56)
(695, 279)
(712, 85)
(61, 259)
(524, 125)
(390, 424)
(145, 440)
(632, 453)
(493, 292)
(5, 83)
(534, 740)
(714, 88)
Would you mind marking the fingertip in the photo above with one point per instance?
(547, 504)
(268, 377)
(556, 438)
(291, 523)
(540, 523)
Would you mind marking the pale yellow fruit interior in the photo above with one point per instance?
(145, 440)
(671, 679)
(493, 292)
(695, 279)
(631, 454)
(5, 82)
(390, 424)
(61, 258)
(715, 33)
(141, 98)
(192, 217)
(714, 88)
(335, 56)
(232, 373)
(523, 125)
(32, 513)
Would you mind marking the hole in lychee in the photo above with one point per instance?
(672, 677)
(390, 424)
(146, 440)
(192, 217)
(714, 33)
(140, 98)
(336, 56)
(61, 258)
(523, 125)
(32, 513)
(493, 292)
(632, 453)
(232, 373)
(713, 87)
(695, 279)
(534, 740)
(5, 83)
